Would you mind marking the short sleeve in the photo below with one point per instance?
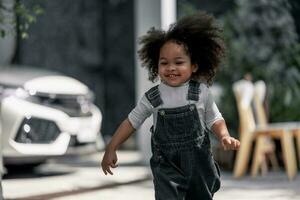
(140, 113)
(212, 113)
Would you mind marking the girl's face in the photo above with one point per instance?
(174, 65)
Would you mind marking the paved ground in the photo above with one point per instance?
(81, 178)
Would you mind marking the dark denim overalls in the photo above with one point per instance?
(182, 164)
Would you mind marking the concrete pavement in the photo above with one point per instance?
(82, 179)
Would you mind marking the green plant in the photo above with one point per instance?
(14, 15)
(261, 39)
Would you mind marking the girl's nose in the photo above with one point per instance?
(171, 67)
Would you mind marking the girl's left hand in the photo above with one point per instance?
(230, 143)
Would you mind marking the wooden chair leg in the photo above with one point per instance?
(289, 154)
(297, 136)
(271, 156)
(242, 157)
(258, 157)
(264, 165)
(274, 161)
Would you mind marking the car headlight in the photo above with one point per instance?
(73, 105)
(31, 96)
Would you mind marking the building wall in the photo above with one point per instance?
(92, 41)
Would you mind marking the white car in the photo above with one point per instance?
(45, 114)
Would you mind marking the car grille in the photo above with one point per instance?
(37, 131)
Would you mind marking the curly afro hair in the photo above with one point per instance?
(202, 41)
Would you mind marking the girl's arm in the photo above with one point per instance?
(110, 159)
(228, 142)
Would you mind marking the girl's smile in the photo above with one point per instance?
(174, 67)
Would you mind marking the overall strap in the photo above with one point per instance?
(153, 96)
(193, 92)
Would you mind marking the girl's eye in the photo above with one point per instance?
(179, 62)
(163, 63)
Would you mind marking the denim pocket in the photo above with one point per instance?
(155, 160)
(217, 168)
(216, 184)
(181, 127)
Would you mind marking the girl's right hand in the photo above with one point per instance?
(109, 161)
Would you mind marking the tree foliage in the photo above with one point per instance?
(15, 16)
(261, 39)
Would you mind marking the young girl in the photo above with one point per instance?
(185, 58)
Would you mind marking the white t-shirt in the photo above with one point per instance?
(175, 97)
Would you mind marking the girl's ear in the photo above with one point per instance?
(194, 67)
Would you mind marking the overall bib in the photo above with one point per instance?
(182, 164)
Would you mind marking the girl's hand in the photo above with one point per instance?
(109, 161)
(230, 143)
